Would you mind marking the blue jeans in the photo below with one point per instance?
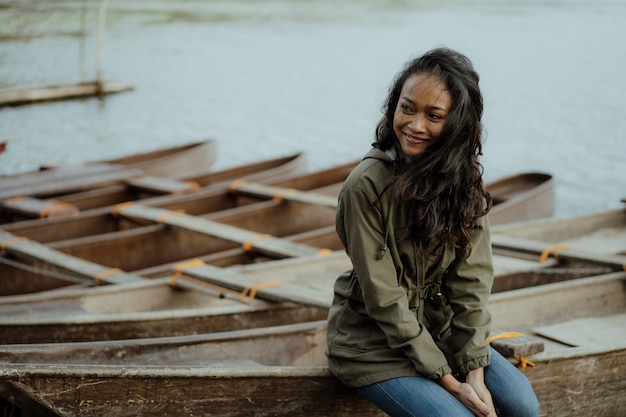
(422, 397)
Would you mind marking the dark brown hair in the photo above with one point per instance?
(443, 184)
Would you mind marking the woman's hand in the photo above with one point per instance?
(476, 379)
(478, 401)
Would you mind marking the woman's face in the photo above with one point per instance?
(421, 112)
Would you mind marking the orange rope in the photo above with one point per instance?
(169, 214)
(98, 277)
(236, 184)
(324, 252)
(253, 289)
(4, 244)
(115, 211)
(247, 245)
(51, 205)
(523, 362)
(196, 187)
(505, 335)
(509, 335)
(278, 197)
(554, 249)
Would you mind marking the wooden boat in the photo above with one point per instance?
(216, 197)
(158, 248)
(175, 162)
(282, 370)
(159, 307)
(143, 187)
(602, 232)
(39, 94)
(526, 196)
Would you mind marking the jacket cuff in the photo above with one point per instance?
(441, 372)
(475, 363)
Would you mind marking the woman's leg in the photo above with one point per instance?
(512, 394)
(414, 397)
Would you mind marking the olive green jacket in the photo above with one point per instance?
(397, 314)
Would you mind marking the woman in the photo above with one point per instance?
(408, 325)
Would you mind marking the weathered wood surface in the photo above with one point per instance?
(603, 232)
(155, 308)
(522, 197)
(262, 191)
(253, 241)
(215, 196)
(62, 180)
(32, 207)
(76, 267)
(36, 94)
(177, 161)
(239, 379)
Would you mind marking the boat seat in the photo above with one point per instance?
(587, 331)
(163, 185)
(32, 207)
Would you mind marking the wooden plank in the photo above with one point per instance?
(64, 180)
(36, 208)
(254, 286)
(283, 194)
(19, 96)
(260, 243)
(80, 268)
(163, 185)
(511, 245)
(587, 331)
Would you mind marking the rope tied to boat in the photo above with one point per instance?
(4, 244)
(52, 206)
(171, 213)
(193, 184)
(281, 193)
(247, 245)
(552, 250)
(250, 291)
(236, 184)
(179, 273)
(115, 211)
(522, 361)
(106, 273)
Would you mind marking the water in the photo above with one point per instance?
(267, 79)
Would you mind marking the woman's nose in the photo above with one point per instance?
(417, 123)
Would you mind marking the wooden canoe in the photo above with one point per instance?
(603, 232)
(526, 196)
(156, 308)
(40, 94)
(282, 370)
(19, 210)
(99, 220)
(175, 162)
(155, 250)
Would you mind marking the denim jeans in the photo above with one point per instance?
(422, 397)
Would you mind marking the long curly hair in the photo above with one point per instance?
(443, 185)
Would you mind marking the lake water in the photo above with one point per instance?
(271, 78)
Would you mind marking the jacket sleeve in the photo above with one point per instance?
(386, 301)
(468, 288)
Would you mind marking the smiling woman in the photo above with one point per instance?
(408, 324)
(421, 112)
